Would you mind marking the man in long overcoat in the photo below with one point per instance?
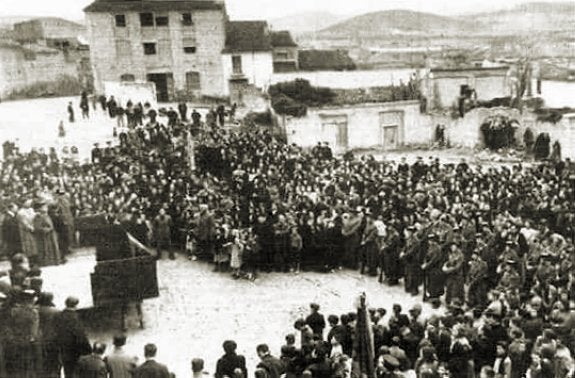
(434, 276)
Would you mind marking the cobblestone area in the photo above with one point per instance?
(198, 309)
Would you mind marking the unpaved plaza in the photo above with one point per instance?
(198, 309)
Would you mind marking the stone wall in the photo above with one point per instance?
(17, 72)
(364, 125)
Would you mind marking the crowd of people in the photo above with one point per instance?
(496, 241)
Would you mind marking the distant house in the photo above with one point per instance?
(443, 87)
(50, 31)
(247, 55)
(325, 60)
(285, 52)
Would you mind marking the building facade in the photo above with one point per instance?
(176, 44)
(386, 126)
(50, 31)
(23, 66)
(443, 87)
(247, 57)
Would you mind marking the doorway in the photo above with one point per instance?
(164, 85)
(391, 124)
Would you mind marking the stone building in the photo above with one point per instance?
(443, 87)
(176, 44)
(379, 125)
(50, 31)
(22, 66)
(247, 57)
(285, 52)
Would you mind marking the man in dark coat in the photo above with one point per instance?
(183, 110)
(151, 368)
(432, 266)
(476, 279)
(391, 256)
(93, 365)
(412, 260)
(230, 361)
(71, 117)
(315, 320)
(11, 231)
(71, 337)
(111, 105)
(272, 365)
(64, 221)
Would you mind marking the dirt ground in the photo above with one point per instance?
(198, 309)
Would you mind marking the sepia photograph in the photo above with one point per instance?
(287, 189)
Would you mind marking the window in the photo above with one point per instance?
(146, 19)
(189, 45)
(162, 21)
(127, 77)
(282, 55)
(120, 21)
(29, 55)
(237, 64)
(187, 19)
(149, 49)
(193, 81)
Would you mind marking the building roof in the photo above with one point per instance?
(282, 39)
(41, 20)
(247, 36)
(153, 5)
(325, 60)
(467, 69)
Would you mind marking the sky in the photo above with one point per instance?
(270, 9)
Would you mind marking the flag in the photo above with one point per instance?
(364, 354)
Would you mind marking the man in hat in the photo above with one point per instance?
(432, 267)
(411, 258)
(390, 252)
(11, 231)
(351, 227)
(315, 320)
(163, 234)
(23, 351)
(272, 365)
(206, 232)
(63, 221)
(369, 246)
(454, 277)
(476, 281)
(510, 280)
(93, 365)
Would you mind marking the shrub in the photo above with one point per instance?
(293, 97)
(64, 85)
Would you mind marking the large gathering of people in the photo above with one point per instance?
(493, 245)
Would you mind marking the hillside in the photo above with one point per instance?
(396, 22)
(526, 18)
(521, 19)
(8, 21)
(305, 22)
